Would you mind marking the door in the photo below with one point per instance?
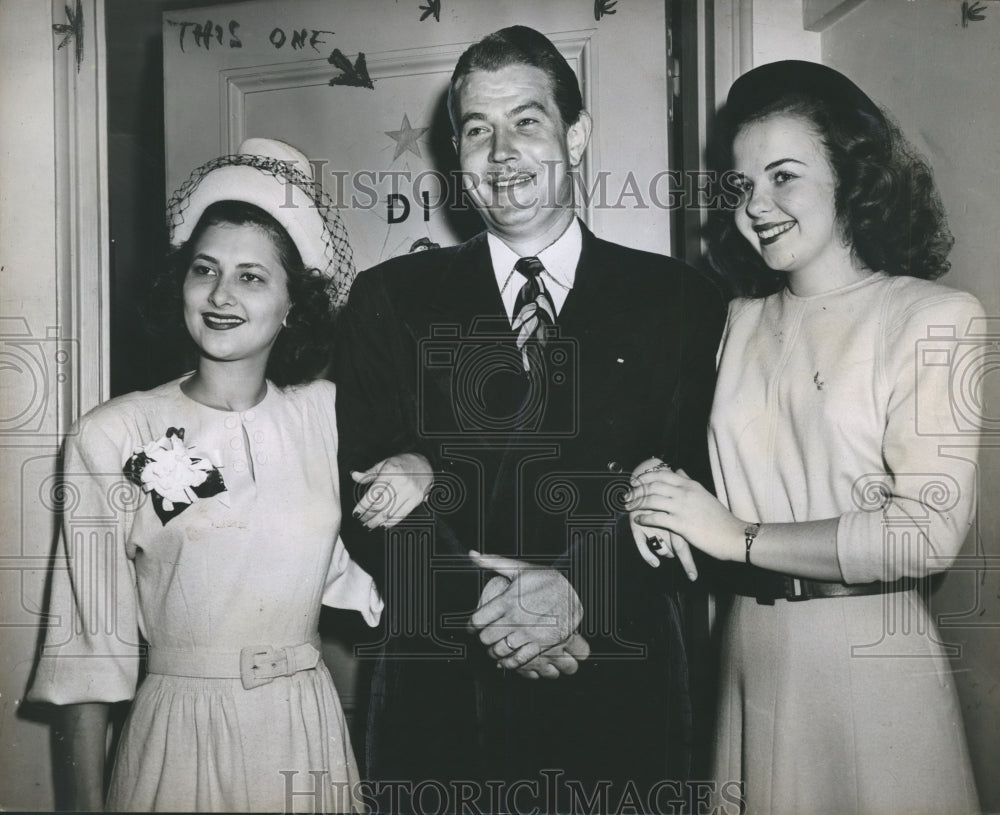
(377, 126)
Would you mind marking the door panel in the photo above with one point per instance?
(233, 71)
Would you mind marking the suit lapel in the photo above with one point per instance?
(590, 325)
(604, 317)
(467, 288)
(594, 296)
(465, 318)
(599, 318)
(599, 314)
(465, 313)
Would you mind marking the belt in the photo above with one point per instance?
(796, 589)
(254, 665)
(767, 586)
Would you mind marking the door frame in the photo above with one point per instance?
(83, 270)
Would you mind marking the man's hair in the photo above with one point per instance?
(519, 45)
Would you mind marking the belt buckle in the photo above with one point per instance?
(260, 664)
(797, 590)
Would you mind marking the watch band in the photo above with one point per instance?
(749, 536)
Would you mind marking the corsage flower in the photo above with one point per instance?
(172, 476)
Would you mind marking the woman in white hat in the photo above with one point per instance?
(218, 503)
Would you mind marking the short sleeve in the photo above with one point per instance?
(913, 519)
(351, 587)
(91, 651)
(347, 585)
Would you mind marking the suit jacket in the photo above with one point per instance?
(534, 466)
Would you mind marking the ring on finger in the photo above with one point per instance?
(655, 544)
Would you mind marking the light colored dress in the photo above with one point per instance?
(858, 404)
(249, 566)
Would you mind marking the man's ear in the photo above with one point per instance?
(577, 137)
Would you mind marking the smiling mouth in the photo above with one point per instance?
(769, 233)
(509, 181)
(221, 322)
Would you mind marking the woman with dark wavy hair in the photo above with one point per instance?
(217, 496)
(837, 495)
(302, 348)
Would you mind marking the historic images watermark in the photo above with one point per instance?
(549, 793)
(400, 193)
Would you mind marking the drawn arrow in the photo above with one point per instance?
(432, 7)
(602, 7)
(972, 12)
(354, 76)
(72, 31)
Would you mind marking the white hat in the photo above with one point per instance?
(277, 178)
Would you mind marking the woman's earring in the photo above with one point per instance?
(284, 320)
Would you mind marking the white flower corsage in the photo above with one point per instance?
(173, 477)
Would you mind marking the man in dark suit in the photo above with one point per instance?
(534, 367)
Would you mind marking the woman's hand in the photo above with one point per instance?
(664, 501)
(398, 485)
(653, 542)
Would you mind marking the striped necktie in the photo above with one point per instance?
(534, 311)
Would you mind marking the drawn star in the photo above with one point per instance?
(406, 138)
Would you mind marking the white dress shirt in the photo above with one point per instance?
(559, 258)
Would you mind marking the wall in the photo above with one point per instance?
(719, 40)
(53, 328)
(915, 58)
(27, 258)
(778, 32)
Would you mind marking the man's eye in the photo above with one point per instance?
(527, 122)
(472, 132)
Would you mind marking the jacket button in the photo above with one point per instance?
(614, 467)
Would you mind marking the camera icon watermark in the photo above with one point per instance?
(957, 365)
(477, 372)
(32, 367)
